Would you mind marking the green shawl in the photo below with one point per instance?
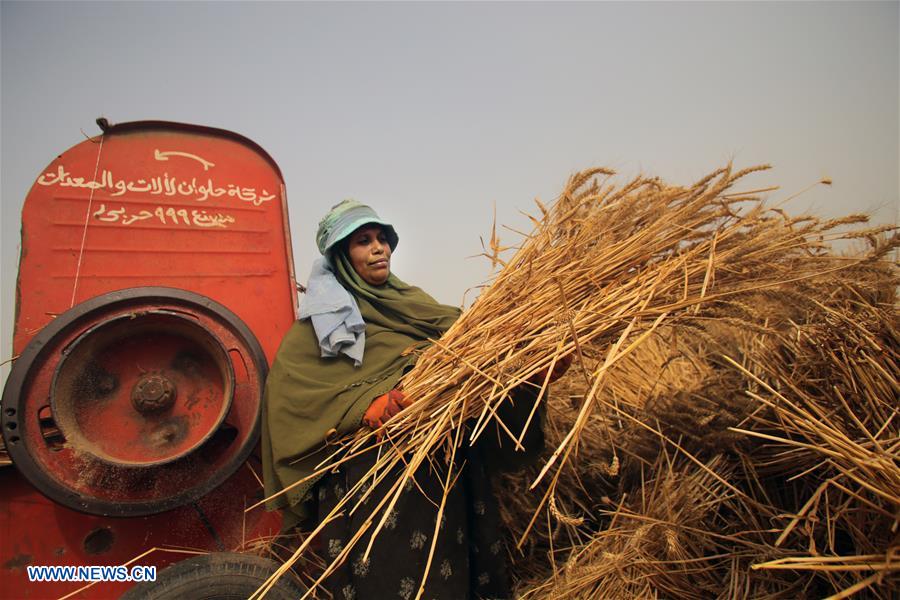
(308, 396)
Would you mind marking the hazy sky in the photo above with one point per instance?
(435, 112)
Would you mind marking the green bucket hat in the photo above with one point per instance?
(346, 217)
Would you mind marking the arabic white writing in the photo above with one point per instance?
(166, 216)
(161, 185)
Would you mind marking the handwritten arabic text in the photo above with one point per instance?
(166, 216)
(161, 185)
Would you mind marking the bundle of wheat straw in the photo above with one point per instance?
(810, 371)
(606, 270)
(664, 541)
(797, 526)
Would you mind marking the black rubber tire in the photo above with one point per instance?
(216, 576)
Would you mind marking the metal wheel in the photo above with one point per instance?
(135, 402)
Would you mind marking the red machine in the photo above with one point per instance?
(155, 284)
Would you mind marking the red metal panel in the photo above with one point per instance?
(36, 531)
(147, 204)
(158, 204)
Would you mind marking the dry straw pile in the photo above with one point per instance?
(729, 426)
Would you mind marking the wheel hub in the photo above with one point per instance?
(153, 393)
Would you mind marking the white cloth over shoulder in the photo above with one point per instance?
(335, 316)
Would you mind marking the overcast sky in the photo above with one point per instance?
(435, 112)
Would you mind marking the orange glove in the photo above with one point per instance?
(384, 407)
(559, 369)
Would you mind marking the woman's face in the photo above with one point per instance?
(370, 254)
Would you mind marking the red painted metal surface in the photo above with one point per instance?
(146, 204)
(34, 530)
(158, 204)
(129, 379)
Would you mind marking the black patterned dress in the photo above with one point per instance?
(470, 555)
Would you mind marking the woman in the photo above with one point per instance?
(337, 370)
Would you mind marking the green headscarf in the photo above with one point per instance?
(308, 396)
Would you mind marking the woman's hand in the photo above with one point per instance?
(384, 407)
(559, 369)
